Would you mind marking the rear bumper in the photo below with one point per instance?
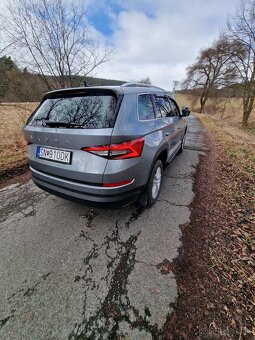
(84, 193)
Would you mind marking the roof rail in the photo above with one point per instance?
(140, 85)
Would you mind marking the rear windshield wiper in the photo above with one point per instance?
(53, 123)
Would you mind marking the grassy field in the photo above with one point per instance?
(222, 109)
(237, 144)
(13, 146)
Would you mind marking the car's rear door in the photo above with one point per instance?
(177, 121)
(170, 129)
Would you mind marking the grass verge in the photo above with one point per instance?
(238, 145)
(232, 249)
(216, 266)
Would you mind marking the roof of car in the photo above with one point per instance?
(126, 88)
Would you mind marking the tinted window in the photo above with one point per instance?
(145, 107)
(91, 111)
(163, 106)
(175, 111)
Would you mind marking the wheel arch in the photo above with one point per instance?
(162, 155)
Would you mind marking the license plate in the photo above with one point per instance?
(55, 155)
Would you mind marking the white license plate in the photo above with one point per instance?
(55, 155)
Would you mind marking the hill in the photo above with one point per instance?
(18, 85)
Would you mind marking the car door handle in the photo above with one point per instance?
(167, 133)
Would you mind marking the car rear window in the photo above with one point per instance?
(88, 111)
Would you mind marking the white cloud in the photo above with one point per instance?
(162, 39)
(158, 38)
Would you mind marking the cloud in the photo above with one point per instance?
(161, 38)
(155, 38)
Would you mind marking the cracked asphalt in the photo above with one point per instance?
(68, 271)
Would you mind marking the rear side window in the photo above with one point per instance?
(163, 107)
(175, 111)
(145, 107)
(88, 111)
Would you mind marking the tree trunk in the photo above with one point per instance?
(203, 100)
(246, 116)
(248, 104)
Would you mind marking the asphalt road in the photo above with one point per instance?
(71, 272)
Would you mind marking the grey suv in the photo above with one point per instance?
(104, 145)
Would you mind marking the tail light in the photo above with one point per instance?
(129, 149)
(118, 184)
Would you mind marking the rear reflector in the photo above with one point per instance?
(130, 149)
(118, 184)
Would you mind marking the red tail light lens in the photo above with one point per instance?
(129, 149)
(118, 184)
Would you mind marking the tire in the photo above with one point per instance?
(154, 185)
(183, 143)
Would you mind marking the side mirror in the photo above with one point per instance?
(185, 112)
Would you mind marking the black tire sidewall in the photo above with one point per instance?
(150, 199)
(182, 144)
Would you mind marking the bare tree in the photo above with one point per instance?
(3, 46)
(241, 36)
(176, 83)
(145, 81)
(55, 39)
(211, 70)
(142, 80)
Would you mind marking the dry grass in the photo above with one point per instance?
(223, 109)
(237, 144)
(13, 146)
(216, 285)
(225, 122)
(234, 264)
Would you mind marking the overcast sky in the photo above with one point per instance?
(157, 38)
